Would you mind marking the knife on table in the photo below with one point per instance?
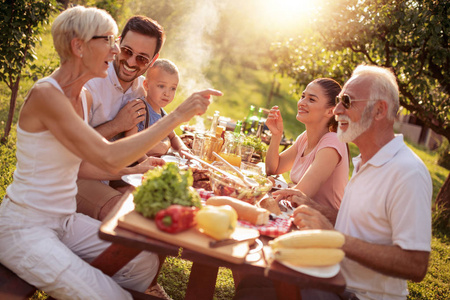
(225, 242)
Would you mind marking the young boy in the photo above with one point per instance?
(161, 83)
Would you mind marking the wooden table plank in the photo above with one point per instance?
(204, 269)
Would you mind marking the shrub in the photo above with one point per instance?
(7, 162)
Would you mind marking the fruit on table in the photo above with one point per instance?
(309, 247)
(219, 222)
(309, 238)
(176, 218)
(309, 256)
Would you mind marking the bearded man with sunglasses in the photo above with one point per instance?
(116, 108)
(385, 213)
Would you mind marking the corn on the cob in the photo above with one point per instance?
(309, 238)
(307, 257)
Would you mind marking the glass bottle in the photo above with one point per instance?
(214, 122)
(247, 124)
(260, 129)
(256, 120)
(212, 142)
(237, 129)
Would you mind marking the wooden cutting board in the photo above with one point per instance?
(192, 239)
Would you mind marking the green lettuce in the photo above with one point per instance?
(164, 186)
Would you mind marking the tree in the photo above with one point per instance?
(409, 36)
(20, 22)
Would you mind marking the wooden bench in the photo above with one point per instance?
(12, 287)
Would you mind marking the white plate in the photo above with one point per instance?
(279, 185)
(321, 272)
(133, 179)
(175, 159)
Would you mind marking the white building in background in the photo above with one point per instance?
(414, 129)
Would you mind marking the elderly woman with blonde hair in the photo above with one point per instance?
(42, 238)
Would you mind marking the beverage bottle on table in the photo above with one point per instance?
(256, 120)
(260, 129)
(247, 125)
(214, 122)
(212, 141)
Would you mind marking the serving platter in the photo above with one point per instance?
(192, 238)
(320, 272)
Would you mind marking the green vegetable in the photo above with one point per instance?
(164, 186)
(255, 142)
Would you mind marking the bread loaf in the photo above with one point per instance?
(270, 204)
(245, 211)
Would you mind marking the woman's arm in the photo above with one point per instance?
(176, 143)
(277, 163)
(89, 171)
(319, 171)
(48, 109)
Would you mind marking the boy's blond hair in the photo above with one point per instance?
(166, 65)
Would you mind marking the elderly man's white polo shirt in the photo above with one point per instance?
(388, 202)
(108, 97)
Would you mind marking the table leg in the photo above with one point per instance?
(114, 258)
(287, 291)
(202, 282)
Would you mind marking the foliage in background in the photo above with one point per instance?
(20, 26)
(444, 155)
(410, 37)
(245, 80)
(7, 162)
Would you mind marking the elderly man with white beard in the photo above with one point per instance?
(385, 213)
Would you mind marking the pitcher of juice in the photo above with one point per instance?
(231, 149)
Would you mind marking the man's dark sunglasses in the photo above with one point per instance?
(141, 61)
(347, 101)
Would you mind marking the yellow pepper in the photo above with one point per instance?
(219, 222)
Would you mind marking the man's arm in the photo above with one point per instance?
(389, 260)
(127, 118)
(297, 198)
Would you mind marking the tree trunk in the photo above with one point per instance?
(443, 197)
(12, 109)
(272, 88)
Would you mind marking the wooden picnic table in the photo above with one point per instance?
(127, 244)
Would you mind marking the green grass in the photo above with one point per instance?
(242, 87)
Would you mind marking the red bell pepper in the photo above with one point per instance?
(176, 218)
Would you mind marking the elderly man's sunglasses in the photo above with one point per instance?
(112, 40)
(141, 61)
(347, 101)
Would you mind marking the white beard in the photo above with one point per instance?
(354, 130)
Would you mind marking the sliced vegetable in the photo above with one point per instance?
(176, 218)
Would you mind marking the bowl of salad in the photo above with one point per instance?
(223, 186)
